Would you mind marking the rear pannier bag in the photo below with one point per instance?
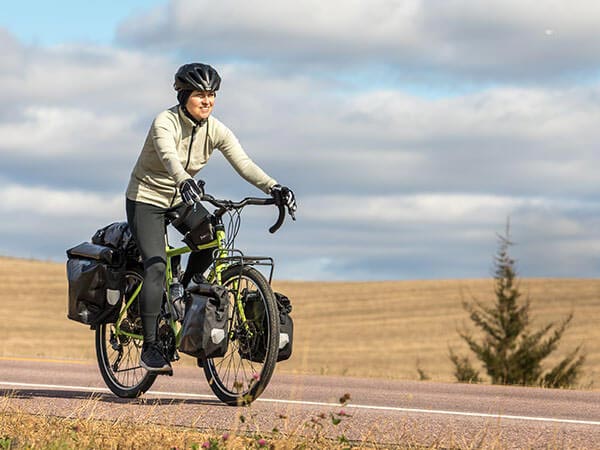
(96, 276)
(204, 332)
(254, 311)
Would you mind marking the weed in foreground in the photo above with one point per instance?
(5, 443)
(84, 429)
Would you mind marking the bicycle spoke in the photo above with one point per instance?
(228, 370)
(242, 383)
(120, 367)
(235, 378)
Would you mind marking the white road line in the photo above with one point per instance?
(307, 403)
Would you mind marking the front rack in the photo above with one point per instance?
(235, 256)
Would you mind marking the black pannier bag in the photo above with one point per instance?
(254, 310)
(286, 327)
(204, 332)
(96, 276)
(118, 236)
(197, 228)
(255, 348)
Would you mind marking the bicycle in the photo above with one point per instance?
(235, 379)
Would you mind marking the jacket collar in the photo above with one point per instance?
(187, 120)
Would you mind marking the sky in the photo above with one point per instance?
(411, 131)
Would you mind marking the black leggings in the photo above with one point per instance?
(148, 226)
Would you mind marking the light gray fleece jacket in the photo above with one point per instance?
(176, 149)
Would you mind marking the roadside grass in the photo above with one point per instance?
(387, 330)
(325, 431)
(22, 430)
(26, 431)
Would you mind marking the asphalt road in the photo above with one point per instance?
(384, 411)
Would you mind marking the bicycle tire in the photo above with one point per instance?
(118, 355)
(235, 380)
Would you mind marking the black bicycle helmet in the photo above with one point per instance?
(197, 77)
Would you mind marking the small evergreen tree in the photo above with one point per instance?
(510, 352)
(464, 371)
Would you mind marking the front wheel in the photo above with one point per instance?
(243, 373)
(118, 350)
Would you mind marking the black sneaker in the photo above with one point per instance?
(153, 360)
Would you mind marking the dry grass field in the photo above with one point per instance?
(374, 329)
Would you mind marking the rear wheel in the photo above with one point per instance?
(118, 354)
(244, 372)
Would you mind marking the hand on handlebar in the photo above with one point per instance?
(281, 199)
(191, 191)
(284, 196)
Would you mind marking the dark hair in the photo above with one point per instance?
(183, 96)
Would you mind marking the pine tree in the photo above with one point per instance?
(510, 352)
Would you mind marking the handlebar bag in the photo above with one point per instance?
(202, 233)
(254, 310)
(196, 224)
(204, 332)
(96, 279)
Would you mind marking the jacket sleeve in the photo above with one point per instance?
(164, 136)
(229, 145)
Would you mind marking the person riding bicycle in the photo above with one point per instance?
(178, 145)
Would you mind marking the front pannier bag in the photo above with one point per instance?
(95, 275)
(286, 327)
(254, 311)
(204, 333)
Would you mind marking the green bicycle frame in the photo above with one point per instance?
(214, 277)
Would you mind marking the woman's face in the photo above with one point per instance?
(200, 104)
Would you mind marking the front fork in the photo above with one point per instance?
(220, 266)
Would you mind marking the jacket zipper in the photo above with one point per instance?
(190, 147)
(187, 163)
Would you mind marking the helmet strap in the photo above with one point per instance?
(192, 118)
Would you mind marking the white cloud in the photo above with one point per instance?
(505, 140)
(83, 76)
(496, 39)
(60, 132)
(473, 210)
(49, 203)
(79, 113)
(502, 141)
(419, 208)
(12, 56)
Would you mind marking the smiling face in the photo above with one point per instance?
(200, 104)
